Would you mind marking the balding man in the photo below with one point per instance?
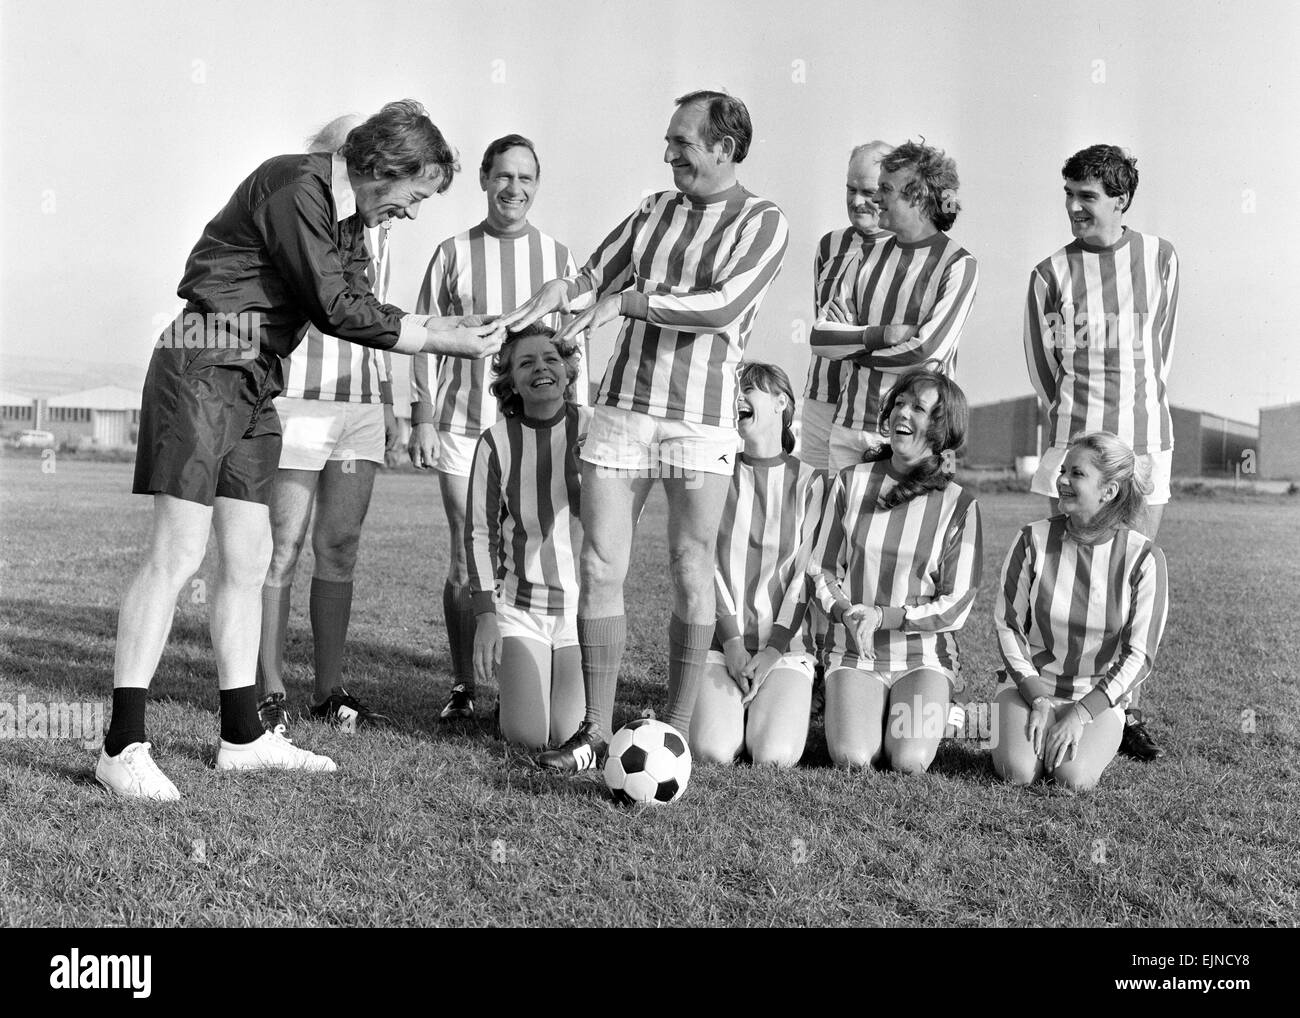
(287, 250)
(838, 254)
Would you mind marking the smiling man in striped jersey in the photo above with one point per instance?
(686, 273)
(489, 269)
(907, 302)
(1099, 338)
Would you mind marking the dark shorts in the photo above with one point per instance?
(208, 426)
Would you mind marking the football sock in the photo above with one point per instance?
(127, 723)
(688, 650)
(239, 722)
(602, 641)
(270, 653)
(458, 613)
(331, 608)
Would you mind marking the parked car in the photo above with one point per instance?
(35, 440)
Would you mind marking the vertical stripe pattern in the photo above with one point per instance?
(924, 556)
(765, 543)
(524, 501)
(1081, 616)
(479, 273)
(699, 272)
(1099, 338)
(929, 285)
(838, 254)
(327, 368)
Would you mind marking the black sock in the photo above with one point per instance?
(239, 723)
(127, 723)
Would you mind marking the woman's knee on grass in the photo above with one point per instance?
(911, 756)
(773, 750)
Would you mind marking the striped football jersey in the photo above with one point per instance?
(692, 276)
(920, 562)
(480, 272)
(1099, 338)
(521, 515)
(838, 254)
(1085, 617)
(930, 285)
(327, 368)
(765, 542)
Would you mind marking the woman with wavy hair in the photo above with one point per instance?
(522, 536)
(1084, 597)
(896, 570)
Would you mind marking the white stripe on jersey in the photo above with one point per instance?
(923, 556)
(765, 542)
(480, 273)
(1099, 337)
(327, 368)
(693, 275)
(521, 513)
(1083, 617)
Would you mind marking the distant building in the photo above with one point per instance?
(1002, 432)
(1279, 442)
(108, 417)
(1205, 445)
(17, 413)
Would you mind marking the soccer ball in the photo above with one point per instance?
(648, 762)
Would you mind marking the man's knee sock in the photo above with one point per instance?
(602, 641)
(331, 610)
(688, 649)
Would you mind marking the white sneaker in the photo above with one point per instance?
(271, 751)
(132, 774)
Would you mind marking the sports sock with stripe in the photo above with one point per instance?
(127, 723)
(239, 723)
(688, 650)
(270, 652)
(602, 641)
(331, 609)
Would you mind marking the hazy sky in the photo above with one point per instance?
(127, 125)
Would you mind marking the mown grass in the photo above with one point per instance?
(425, 825)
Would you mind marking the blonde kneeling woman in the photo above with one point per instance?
(896, 569)
(1083, 604)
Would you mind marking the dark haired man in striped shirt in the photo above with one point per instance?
(686, 273)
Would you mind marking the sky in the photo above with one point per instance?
(125, 126)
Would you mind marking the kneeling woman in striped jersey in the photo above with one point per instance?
(896, 569)
(763, 653)
(1082, 609)
(521, 539)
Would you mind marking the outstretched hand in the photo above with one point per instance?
(552, 297)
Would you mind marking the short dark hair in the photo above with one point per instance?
(400, 141)
(512, 404)
(505, 145)
(1115, 168)
(936, 183)
(727, 118)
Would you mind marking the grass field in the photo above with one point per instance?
(426, 826)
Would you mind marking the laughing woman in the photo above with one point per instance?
(758, 687)
(521, 540)
(896, 569)
(1083, 603)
